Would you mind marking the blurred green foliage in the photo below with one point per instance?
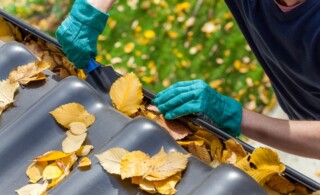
(166, 41)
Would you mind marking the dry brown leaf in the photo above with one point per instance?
(134, 164)
(175, 128)
(280, 184)
(29, 72)
(110, 160)
(126, 94)
(84, 162)
(84, 150)
(51, 156)
(72, 112)
(235, 147)
(52, 171)
(72, 142)
(33, 189)
(7, 92)
(200, 151)
(78, 128)
(164, 165)
(35, 170)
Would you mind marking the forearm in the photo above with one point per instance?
(297, 137)
(102, 5)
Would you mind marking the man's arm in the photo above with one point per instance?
(102, 5)
(297, 137)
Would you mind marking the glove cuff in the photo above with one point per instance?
(231, 117)
(89, 15)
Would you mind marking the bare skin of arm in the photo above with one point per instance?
(102, 5)
(297, 137)
(290, 3)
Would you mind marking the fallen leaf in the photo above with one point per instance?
(51, 156)
(280, 184)
(164, 165)
(110, 160)
(84, 150)
(7, 92)
(168, 185)
(235, 147)
(134, 164)
(73, 142)
(78, 128)
(29, 72)
(72, 112)
(200, 151)
(35, 170)
(126, 94)
(33, 189)
(175, 128)
(265, 158)
(52, 171)
(84, 162)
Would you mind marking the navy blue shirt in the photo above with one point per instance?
(287, 46)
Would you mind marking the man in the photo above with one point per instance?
(285, 37)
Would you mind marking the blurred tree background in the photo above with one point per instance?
(166, 41)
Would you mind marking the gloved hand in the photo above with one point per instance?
(196, 96)
(78, 33)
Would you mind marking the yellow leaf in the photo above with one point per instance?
(164, 165)
(187, 143)
(244, 163)
(65, 165)
(134, 164)
(29, 72)
(216, 148)
(168, 185)
(6, 34)
(84, 162)
(235, 147)
(73, 142)
(50, 156)
(144, 184)
(110, 160)
(72, 112)
(126, 94)
(35, 170)
(52, 171)
(7, 91)
(78, 128)
(58, 180)
(200, 151)
(280, 184)
(229, 157)
(266, 159)
(33, 189)
(261, 176)
(84, 150)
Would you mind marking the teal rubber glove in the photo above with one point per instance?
(78, 33)
(196, 96)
